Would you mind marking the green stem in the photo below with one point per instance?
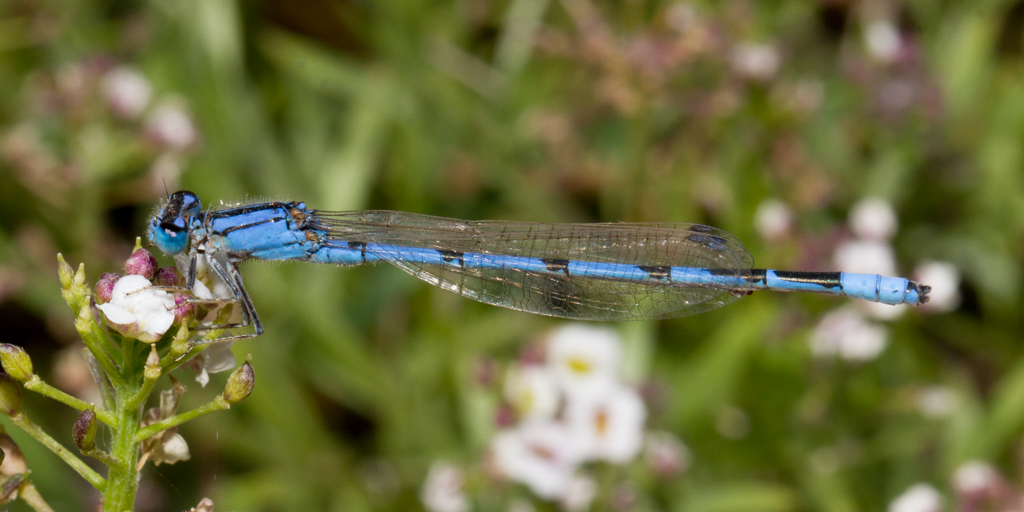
(36, 384)
(30, 495)
(102, 456)
(123, 481)
(35, 431)
(100, 377)
(96, 340)
(217, 404)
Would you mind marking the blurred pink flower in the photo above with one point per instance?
(172, 126)
(756, 61)
(666, 455)
(127, 91)
(442, 490)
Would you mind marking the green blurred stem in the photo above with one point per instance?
(35, 431)
(100, 377)
(30, 495)
(217, 404)
(36, 384)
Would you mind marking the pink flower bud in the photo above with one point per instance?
(105, 287)
(184, 311)
(168, 276)
(141, 263)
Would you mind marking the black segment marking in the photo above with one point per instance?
(361, 246)
(757, 275)
(825, 279)
(449, 256)
(661, 272)
(231, 229)
(556, 265)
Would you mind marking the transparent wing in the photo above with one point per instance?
(554, 293)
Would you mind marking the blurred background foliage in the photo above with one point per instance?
(540, 110)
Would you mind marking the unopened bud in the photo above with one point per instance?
(104, 289)
(84, 431)
(64, 271)
(168, 276)
(10, 395)
(240, 383)
(16, 362)
(184, 311)
(141, 263)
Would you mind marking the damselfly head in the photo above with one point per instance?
(168, 229)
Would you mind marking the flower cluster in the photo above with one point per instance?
(977, 486)
(564, 406)
(852, 332)
(125, 322)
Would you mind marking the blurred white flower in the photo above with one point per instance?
(773, 219)
(532, 392)
(585, 359)
(757, 61)
(609, 427)
(127, 91)
(882, 39)
(543, 456)
(218, 358)
(936, 401)
(172, 126)
(944, 278)
(918, 498)
(873, 218)
(666, 455)
(847, 334)
(442, 490)
(976, 478)
(865, 257)
(138, 310)
(579, 493)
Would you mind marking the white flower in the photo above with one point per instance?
(944, 279)
(172, 126)
(873, 218)
(608, 427)
(919, 498)
(666, 455)
(936, 401)
(218, 358)
(773, 219)
(172, 448)
(543, 456)
(585, 359)
(138, 310)
(847, 334)
(758, 61)
(127, 91)
(442, 489)
(579, 493)
(532, 391)
(882, 39)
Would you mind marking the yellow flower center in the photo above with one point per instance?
(579, 365)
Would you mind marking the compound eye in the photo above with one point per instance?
(184, 203)
(175, 226)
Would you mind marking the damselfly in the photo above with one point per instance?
(614, 271)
